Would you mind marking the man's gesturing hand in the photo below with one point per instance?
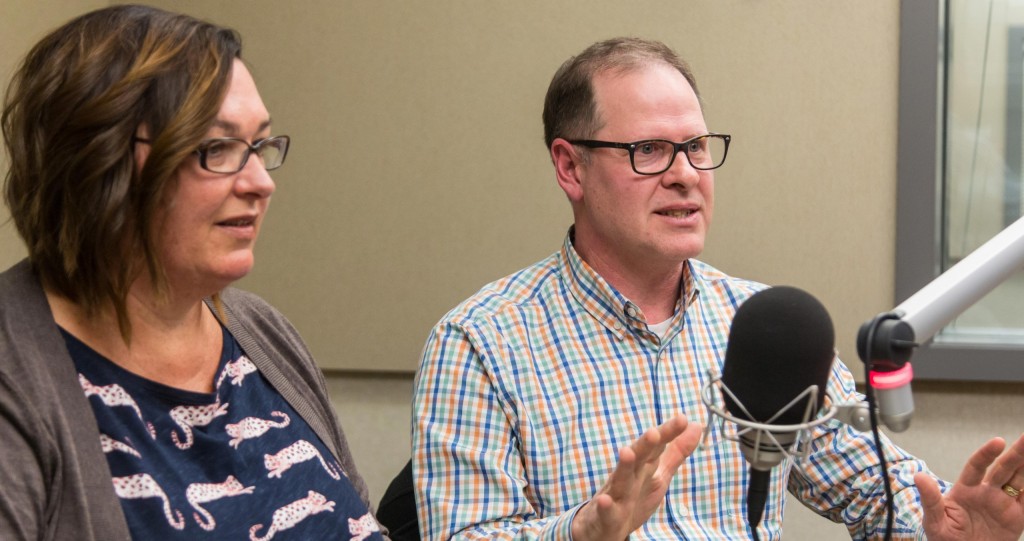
(637, 487)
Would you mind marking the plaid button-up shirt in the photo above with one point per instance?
(527, 390)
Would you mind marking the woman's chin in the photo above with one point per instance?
(230, 271)
(235, 273)
(207, 275)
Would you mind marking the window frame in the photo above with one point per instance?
(919, 197)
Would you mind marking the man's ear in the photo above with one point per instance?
(568, 162)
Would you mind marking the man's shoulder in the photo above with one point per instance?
(520, 289)
(716, 285)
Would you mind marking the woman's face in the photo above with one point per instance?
(212, 221)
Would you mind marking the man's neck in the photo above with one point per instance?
(655, 289)
(656, 295)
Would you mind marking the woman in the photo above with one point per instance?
(139, 395)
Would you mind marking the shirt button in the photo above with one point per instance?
(631, 311)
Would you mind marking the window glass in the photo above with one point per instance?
(981, 153)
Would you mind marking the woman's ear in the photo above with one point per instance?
(141, 146)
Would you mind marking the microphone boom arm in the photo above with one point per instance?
(946, 297)
(886, 342)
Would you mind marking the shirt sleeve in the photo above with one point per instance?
(468, 470)
(839, 478)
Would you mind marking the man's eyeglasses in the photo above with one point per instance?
(229, 154)
(655, 156)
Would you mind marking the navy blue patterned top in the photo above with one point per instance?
(233, 464)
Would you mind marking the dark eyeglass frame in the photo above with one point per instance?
(679, 147)
(250, 149)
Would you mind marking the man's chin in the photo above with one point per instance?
(682, 251)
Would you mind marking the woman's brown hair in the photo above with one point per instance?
(87, 214)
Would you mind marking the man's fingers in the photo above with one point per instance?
(931, 497)
(687, 442)
(672, 428)
(1006, 468)
(681, 447)
(640, 459)
(975, 470)
(651, 444)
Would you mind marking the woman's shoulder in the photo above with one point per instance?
(251, 319)
(241, 299)
(26, 323)
(18, 283)
(253, 310)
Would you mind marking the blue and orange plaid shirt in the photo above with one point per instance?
(527, 390)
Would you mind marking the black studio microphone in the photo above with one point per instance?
(781, 342)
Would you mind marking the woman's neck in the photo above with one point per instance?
(174, 342)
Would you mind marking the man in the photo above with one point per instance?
(533, 396)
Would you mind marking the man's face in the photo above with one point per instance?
(632, 223)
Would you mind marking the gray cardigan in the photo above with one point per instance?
(54, 476)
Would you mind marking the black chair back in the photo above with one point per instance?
(397, 509)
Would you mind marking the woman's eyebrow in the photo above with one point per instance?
(233, 128)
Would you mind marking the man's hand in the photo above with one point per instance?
(977, 507)
(637, 487)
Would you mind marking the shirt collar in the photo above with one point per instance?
(605, 303)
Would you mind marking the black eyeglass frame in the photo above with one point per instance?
(679, 147)
(250, 149)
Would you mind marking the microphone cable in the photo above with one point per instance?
(869, 391)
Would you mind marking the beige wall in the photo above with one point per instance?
(418, 173)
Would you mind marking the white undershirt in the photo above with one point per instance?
(659, 328)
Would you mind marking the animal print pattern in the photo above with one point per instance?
(198, 493)
(142, 485)
(150, 481)
(109, 445)
(114, 395)
(189, 416)
(292, 514)
(362, 528)
(237, 370)
(295, 453)
(254, 427)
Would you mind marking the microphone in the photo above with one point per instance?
(894, 397)
(887, 342)
(777, 363)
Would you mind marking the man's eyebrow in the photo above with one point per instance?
(233, 129)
